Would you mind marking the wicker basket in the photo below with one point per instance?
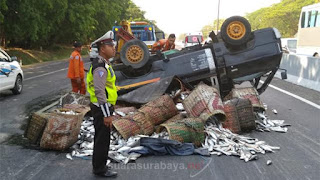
(188, 130)
(246, 115)
(160, 109)
(126, 110)
(232, 120)
(175, 118)
(251, 94)
(204, 102)
(240, 115)
(127, 127)
(143, 121)
(36, 127)
(61, 130)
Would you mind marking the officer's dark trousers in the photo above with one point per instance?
(101, 141)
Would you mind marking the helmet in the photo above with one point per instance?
(77, 44)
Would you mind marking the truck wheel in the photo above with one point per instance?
(18, 85)
(134, 53)
(235, 30)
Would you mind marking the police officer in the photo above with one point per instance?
(103, 96)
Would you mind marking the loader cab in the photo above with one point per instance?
(140, 30)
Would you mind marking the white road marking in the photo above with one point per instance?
(47, 73)
(295, 96)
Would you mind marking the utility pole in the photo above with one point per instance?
(218, 16)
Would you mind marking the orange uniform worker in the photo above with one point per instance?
(76, 70)
(165, 44)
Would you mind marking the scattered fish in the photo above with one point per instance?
(269, 162)
(222, 141)
(267, 125)
(120, 113)
(69, 156)
(274, 111)
(180, 107)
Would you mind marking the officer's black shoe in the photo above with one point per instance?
(107, 174)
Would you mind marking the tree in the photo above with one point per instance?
(182, 36)
(211, 27)
(34, 23)
(3, 9)
(284, 16)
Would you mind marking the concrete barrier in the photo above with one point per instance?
(302, 70)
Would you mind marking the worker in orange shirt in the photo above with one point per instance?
(76, 70)
(165, 44)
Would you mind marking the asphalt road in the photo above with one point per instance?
(298, 158)
(42, 83)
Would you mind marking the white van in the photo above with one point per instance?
(193, 39)
(309, 30)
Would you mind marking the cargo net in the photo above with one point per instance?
(74, 98)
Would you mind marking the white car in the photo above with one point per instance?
(93, 52)
(193, 39)
(11, 74)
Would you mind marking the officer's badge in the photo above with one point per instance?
(101, 73)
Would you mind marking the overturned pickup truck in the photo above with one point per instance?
(237, 55)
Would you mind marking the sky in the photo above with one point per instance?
(187, 16)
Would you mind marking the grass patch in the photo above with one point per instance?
(31, 56)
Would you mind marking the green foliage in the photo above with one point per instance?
(284, 16)
(182, 36)
(3, 8)
(34, 23)
(211, 27)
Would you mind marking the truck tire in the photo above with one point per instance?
(235, 31)
(134, 53)
(17, 89)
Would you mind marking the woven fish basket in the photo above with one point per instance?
(160, 109)
(245, 115)
(61, 130)
(204, 102)
(36, 127)
(188, 130)
(240, 115)
(232, 120)
(126, 110)
(143, 121)
(251, 94)
(127, 127)
(175, 118)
